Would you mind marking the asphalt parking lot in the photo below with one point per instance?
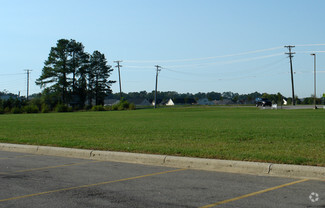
(29, 180)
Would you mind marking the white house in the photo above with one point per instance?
(170, 102)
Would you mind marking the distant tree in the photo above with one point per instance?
(56, 70)
(78, 58)
(98, 77)
(214, 95)
(72, 75)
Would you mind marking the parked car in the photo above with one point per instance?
(262, 102)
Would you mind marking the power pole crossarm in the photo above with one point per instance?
(157, 72)
(292, 84)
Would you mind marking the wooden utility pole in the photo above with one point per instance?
(292, 84)
(28, 72)
(157, 72)
(119, 76)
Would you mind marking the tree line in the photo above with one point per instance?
(234, 97)
(163, 96)
(38, 102)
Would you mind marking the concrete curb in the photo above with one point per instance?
(256, 168)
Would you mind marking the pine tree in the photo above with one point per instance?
(56, 70)
(98, 77)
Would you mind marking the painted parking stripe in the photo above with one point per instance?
(48, 167)
(14, 157)
(253, 194)
(91, 185)
(57, 166)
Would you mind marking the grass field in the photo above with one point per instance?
(250, 134)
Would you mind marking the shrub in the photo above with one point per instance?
(88, 107)
(115, 107)
(45, 108)
(62, 108)
(16, 110)
(2, 111)
(123, 105)
(7, 110)
(98, 108)
(108, 108)
(131, 106)
(31, 109)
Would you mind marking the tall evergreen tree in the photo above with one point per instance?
(72, 74)
(56, 70)
(98, 77)
(76, 61)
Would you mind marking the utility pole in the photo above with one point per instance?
(119, 76)
(290, 56)
(313, 54)
(27, 71)
(157, 72)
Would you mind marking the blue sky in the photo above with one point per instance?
(203, 46)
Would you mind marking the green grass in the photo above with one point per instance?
(250, 134)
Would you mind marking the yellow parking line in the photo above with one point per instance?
(57, 166)
(47, 167)
(6, 158)
(254, 193)
(91, 185)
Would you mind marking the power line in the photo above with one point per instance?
(11, 74)
(292, 84)
(215, 63)
(319, 44)
(204, 58)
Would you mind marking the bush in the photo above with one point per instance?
(108, 108)
(88, 107)
(115, 107)
(123, 105)
(131, 106)
(63, 108)
(31, 109)
(7, 110)
(45, 108)
(98, 108)
(2, 111)
(16, 110)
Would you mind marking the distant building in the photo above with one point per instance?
(110, 102)
(170, 102)
(223, 102)
(159, 102)
(180, 101)
(140, 102)
(205, 101)
(5, 97)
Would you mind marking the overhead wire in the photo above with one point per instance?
(203, 58)
(12, 74)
